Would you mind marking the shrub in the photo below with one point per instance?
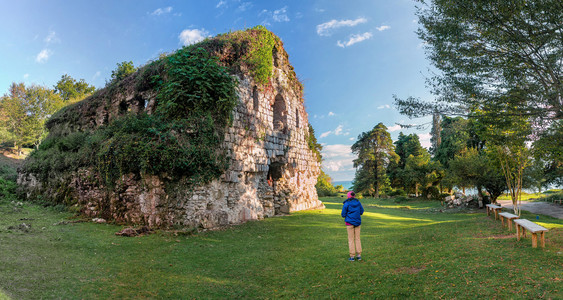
(397, 192)
(433, 193)
(401, 199)
(7, 190)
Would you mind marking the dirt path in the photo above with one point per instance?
(543, 208)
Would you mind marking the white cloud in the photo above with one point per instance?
(394, 128)
(96, 75)
(339, 130)
(425, 139)
(192, 36)
(383, 27)
(25, 76)
(352, 139)
(325, 134)
(221, 3)
(51, 37)
(244, 6)
(280, 15)
(43, 56)
(384, 106)
(161, 11)
(330, 114)
(338, 158)
(325, 29)
(355, 38)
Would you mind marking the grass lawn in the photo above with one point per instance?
(411, 249)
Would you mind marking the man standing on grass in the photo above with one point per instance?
(352, 212)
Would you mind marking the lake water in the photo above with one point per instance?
(346, 184)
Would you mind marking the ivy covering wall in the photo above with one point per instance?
(181, 138)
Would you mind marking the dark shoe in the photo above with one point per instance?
(358, 258)
(350, 259)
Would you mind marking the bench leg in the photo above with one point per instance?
(534, 240)
(509, 221)
(542, 237)
(488, 211)
(496, 214)
(502, 220)
(517, 232)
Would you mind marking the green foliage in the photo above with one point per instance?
(375, 150)
(324, 185)
(196, 85)
(148, 144)
(397, 192)
(123, 70)
(421, 174)
(181, 139)
(24, 111)
(7, 190)
(314, 144)
(407, 145)
(251, 49)
(71, 90)
(63, 155)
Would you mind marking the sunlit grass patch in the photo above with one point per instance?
(406, 252)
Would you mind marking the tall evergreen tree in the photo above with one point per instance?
(375, 151)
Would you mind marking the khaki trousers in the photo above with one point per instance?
(354, 243)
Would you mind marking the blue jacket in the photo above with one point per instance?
(352, 211)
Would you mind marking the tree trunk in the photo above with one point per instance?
(480, 192)
(376, 181)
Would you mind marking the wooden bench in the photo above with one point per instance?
(509, 217)
(522, 225)
(495, 208)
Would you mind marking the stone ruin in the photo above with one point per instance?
(272, 170)
(461, 200)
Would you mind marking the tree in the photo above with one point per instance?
(405, 146)
(496, 59)
(324, 185)
(123, 70)
(71, 90)
(488, 50)
(375, 151)
(474, 168)
(314, 144)
(421, 173)
(435, 133)
(25, 110)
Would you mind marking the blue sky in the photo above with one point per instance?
(352, 56)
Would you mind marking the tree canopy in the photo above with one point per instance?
(72, 90)
(24, 111)
(375, 151)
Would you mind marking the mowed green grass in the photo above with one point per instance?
(411, 249)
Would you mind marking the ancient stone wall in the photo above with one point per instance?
(272, 171)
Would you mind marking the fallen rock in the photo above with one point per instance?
(99, 220)
(22, 227)
(129, 231)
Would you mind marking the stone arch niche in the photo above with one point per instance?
(280, 114)
(255, 100)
